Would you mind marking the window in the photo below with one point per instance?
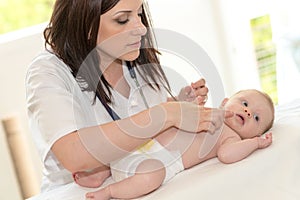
(265, 52)
(264, 36)
(17, 14)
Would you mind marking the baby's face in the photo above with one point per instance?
(253, 113)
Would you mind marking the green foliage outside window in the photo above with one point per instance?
(265, 52)
(17, 14)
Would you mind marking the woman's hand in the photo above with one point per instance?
(191, 117)
(196, 93)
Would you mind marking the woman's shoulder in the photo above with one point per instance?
(46, 60)
(47, 66)
(47, 63)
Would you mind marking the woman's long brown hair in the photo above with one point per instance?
(72, 36)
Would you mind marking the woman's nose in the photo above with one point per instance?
(139, 31)
(247, 112)
(139, 28)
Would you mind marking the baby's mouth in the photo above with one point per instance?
(240, 118)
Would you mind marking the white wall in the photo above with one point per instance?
(16, 52)
(198, 20)
(286, 16)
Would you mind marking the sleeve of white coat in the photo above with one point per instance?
(52, 108)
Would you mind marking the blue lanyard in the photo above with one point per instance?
(110, 111)
(133, 76)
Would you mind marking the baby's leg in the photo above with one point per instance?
(93, 178)
(149, 176)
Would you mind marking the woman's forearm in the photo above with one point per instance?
(99, 145)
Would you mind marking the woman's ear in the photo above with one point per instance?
(224, 102)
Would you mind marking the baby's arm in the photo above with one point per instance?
(234, 149)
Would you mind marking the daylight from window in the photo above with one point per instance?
(17, 14)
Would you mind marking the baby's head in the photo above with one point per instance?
(254, 113)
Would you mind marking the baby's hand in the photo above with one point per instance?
(264, 142)
(196, 93)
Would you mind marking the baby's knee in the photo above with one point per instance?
(152, 172)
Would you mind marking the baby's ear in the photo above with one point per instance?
(224, 102)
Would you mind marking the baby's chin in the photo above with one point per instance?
(230, 122)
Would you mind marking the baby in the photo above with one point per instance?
(159, 160)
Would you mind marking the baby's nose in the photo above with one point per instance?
(247, 112)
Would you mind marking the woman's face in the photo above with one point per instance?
(121, 30)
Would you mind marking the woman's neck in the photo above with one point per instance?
(113, 73)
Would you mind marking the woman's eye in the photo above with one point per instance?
(245, 103)
(256, 117)
(122, 21)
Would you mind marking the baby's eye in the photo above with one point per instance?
(245, 103)
(256, 117)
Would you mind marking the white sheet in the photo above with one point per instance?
(271, 174)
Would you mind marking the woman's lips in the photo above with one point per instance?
(135, 44)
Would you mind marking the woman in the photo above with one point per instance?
(101, 67)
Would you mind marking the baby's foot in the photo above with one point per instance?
(102, 194)
(91, 179)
